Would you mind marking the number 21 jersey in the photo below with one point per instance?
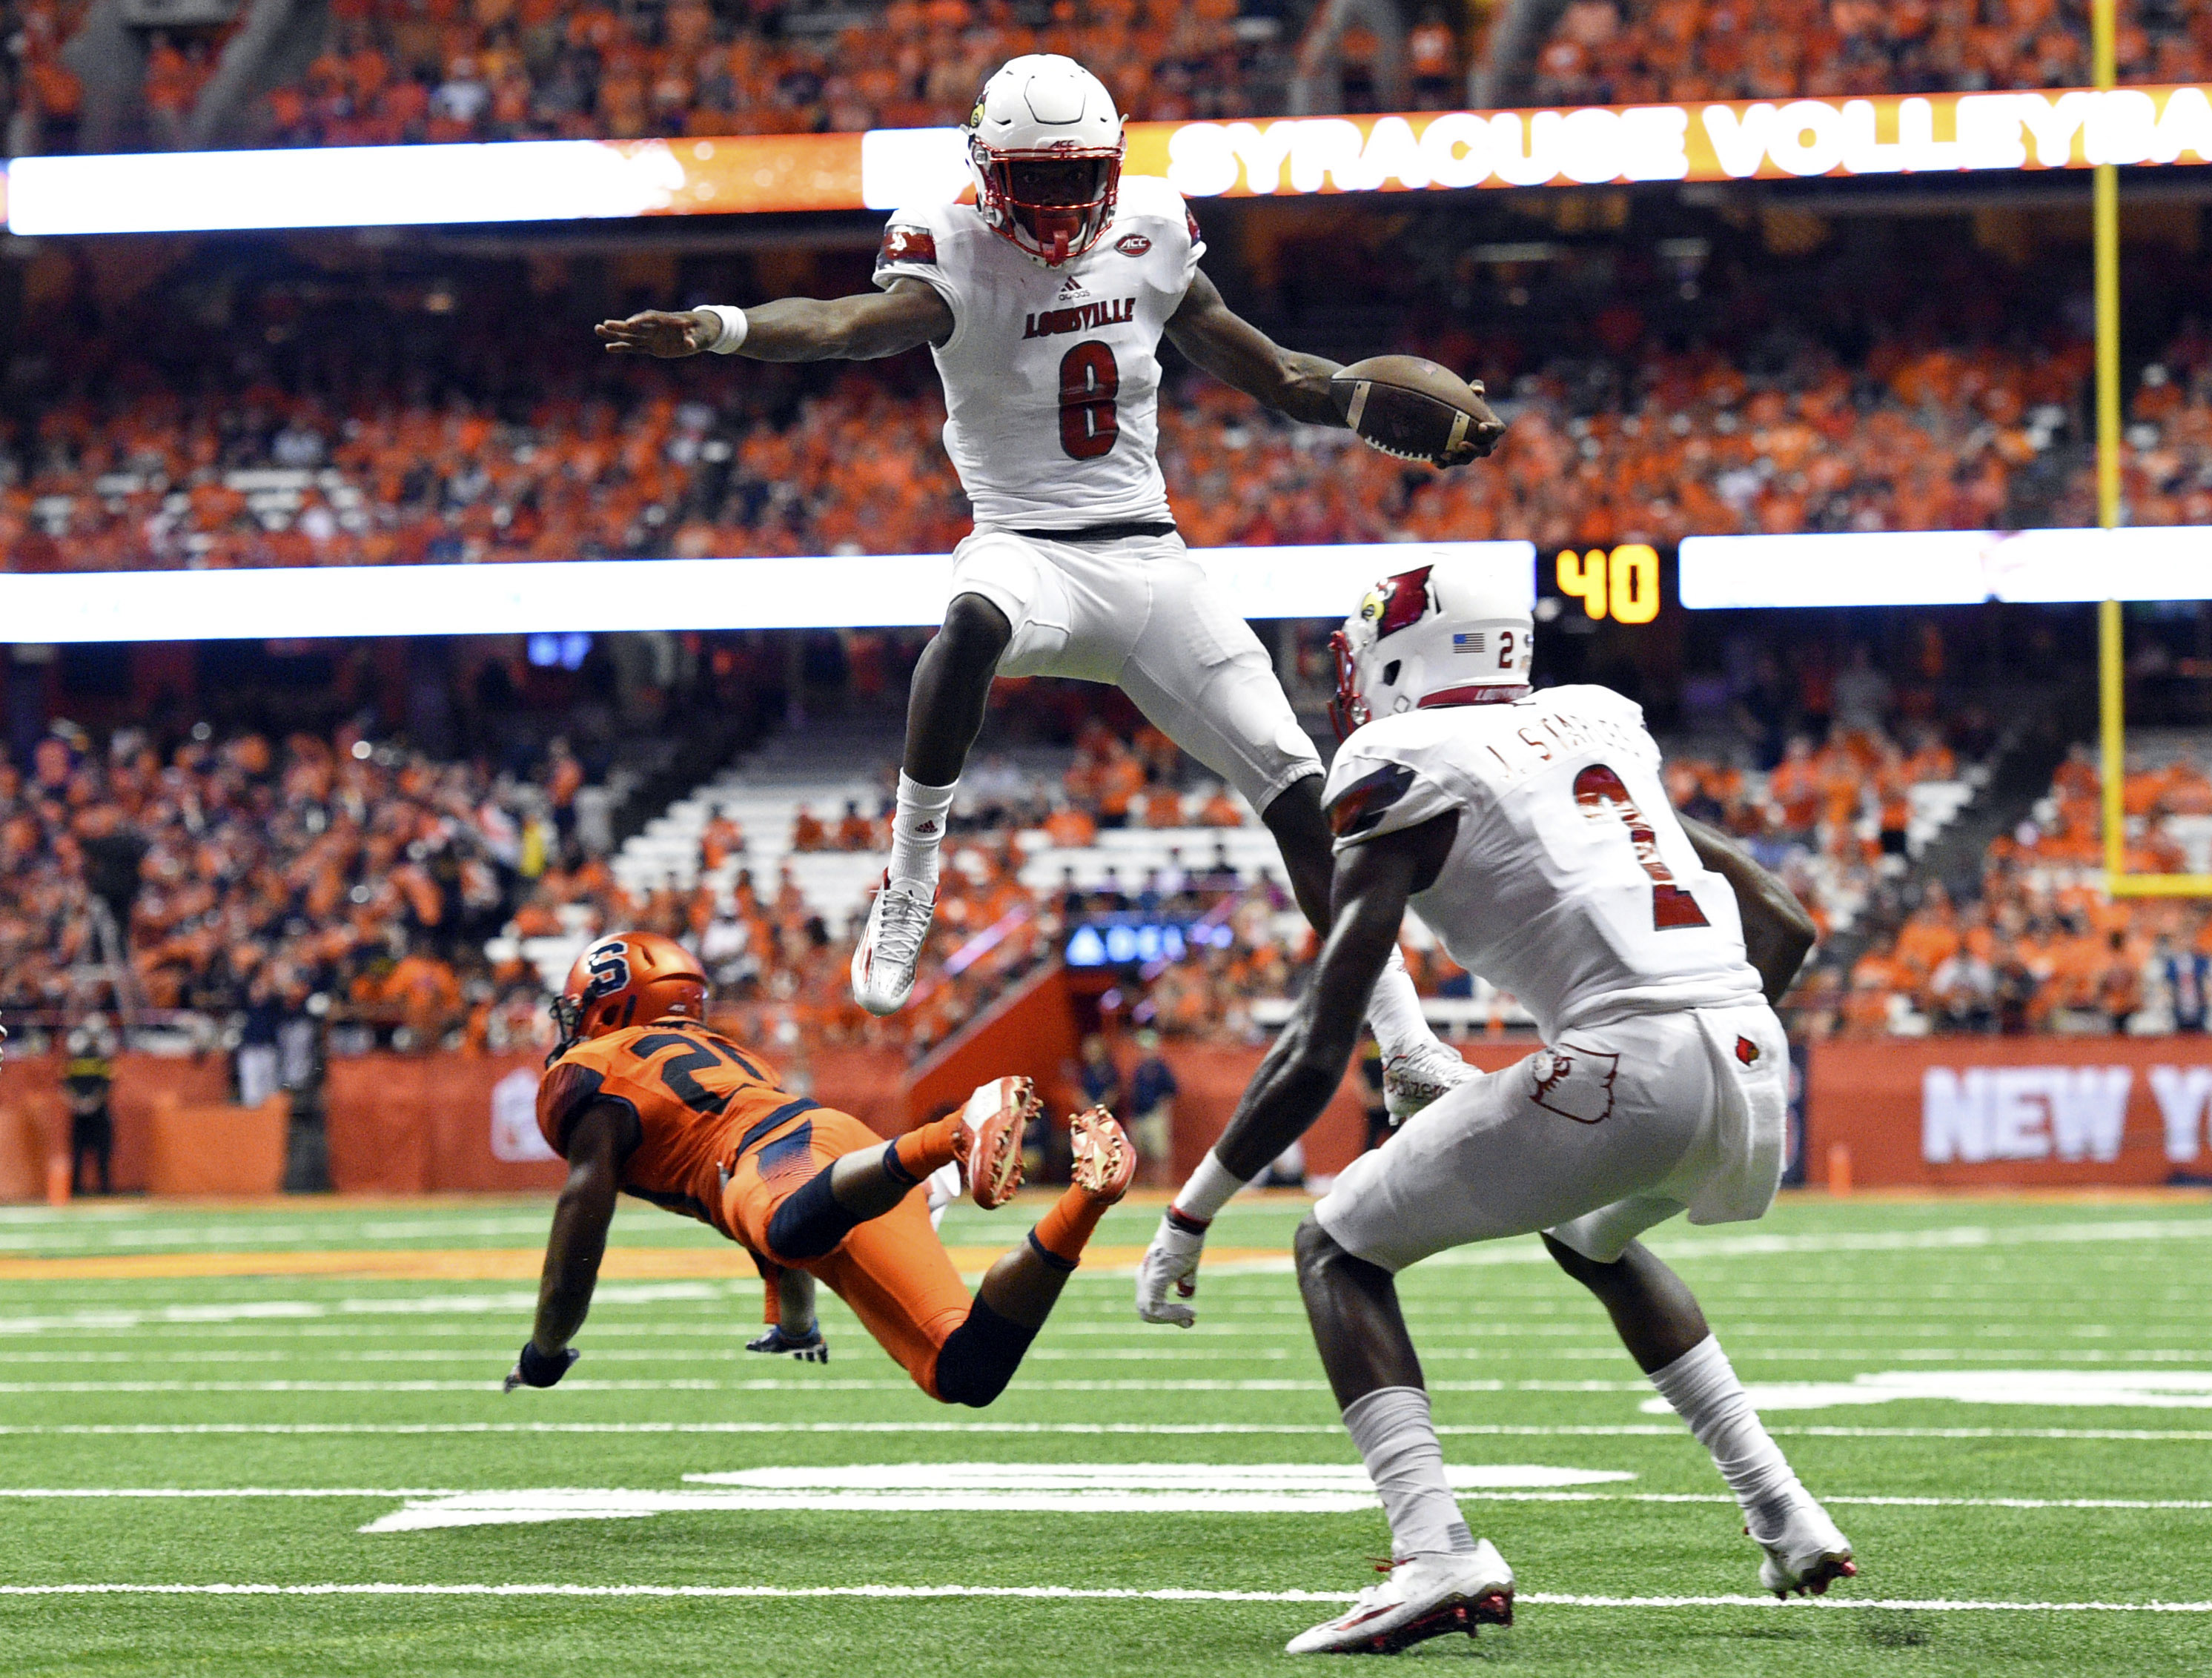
(1570, 882)
(1052, 375)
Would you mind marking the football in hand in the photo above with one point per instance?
(1416, 410)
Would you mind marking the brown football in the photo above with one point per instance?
(1415, 409)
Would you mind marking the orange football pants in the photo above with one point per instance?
(892, 1270)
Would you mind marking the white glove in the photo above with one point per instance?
(1168, 1273)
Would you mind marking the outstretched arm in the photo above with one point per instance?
(1303, 1070)
(1777, 934)
(1237, 353)
(1367, 902)
(861, 328)
(599, 1142)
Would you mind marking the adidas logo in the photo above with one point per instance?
(1070, 288)
(928, 826)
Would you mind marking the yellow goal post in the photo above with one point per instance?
(2111, 663)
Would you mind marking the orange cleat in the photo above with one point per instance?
(990, 1141)
(1104, 1165)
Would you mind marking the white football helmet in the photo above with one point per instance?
(1453, 632)
(1044, 146)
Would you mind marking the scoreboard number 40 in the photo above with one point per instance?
(1623, 585)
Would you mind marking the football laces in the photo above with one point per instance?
(1398, 453)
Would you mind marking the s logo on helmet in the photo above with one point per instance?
(609, 966)
(1132, 244)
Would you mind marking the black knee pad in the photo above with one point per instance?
(810, 1223)
(980, 1357)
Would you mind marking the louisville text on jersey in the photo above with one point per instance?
(1082, 317)
(1359, 807)
(908, 245)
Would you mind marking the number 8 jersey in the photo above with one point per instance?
(1570, 882)
(1052, 375)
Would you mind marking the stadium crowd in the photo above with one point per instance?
(234, 878)
(128, 472)
(2045, 947)
(254, 881)
(392, 72)
(1636, 52)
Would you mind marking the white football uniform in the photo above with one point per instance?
(1665, 1081)
(1052, 381)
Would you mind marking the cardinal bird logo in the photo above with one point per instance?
(1747, 1051)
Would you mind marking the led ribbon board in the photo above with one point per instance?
(1945, 567)
(606, 596)
(541, 181)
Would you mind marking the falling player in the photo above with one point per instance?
(1532, 832)
(642, 1097)
(1043, 301)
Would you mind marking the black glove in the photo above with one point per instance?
(809, 1347)
(539, 1369)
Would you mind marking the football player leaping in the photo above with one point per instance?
(642, 1097)
(1532, 830)
(1044, 301)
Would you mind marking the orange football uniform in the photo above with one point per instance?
(723, 1142)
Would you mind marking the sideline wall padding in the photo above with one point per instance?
(33, 1082)
(2011, 1112)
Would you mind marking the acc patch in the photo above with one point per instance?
(1361, 806)
(1132, 244)
(1190, 220)
(1747, 1051)
(906, 245)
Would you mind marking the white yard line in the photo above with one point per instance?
(1133, 1429)
(813, 1482)
(1052, 1592)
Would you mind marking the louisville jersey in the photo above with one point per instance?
(699, 1099)
(1570, 882)
(1052, 375)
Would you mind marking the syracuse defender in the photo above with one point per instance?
(1532, 832)
(1044, 300)
(642, 1097)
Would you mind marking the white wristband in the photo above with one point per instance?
(1208, 1190)
(734, 327)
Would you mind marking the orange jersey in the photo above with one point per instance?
(700, 1101)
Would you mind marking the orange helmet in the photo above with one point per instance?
(628, 979)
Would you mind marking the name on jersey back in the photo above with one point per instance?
(1541, 741)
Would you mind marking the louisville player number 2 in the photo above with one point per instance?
(1090, 385)
(1602, 797)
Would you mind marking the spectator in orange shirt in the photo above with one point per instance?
(1220, 810)
(2119, 986)
(1070, 827)
(1795, 786)
(1120, 778)
(807, 833)
(855, 832)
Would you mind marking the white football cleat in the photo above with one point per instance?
(890, 949)
(991, 1127)
(1425, 1597)
(1809, 1553)
(1414, 1077)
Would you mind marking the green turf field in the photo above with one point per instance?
(2008, 1404)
